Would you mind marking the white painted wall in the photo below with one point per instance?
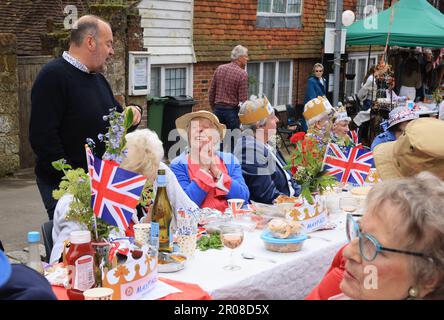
(168, 30)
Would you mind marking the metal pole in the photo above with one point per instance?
(337, 58)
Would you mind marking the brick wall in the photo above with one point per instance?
(9, 117)
(203, 73)
(219, 25)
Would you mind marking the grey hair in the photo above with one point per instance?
(419, 202)
(238, 51)
(86, 25)
(318, 65)
(145, 151)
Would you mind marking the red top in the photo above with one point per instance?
(329, 285)
(229, 85)
(216, 198)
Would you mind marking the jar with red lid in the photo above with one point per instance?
(80, 264)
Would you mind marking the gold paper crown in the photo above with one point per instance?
(251, 115)
(299, 214)
(133, 271)
(314, 108)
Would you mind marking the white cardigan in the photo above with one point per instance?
(62, 228)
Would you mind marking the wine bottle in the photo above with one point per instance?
(162, 215)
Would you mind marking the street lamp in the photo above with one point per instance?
(346, 19)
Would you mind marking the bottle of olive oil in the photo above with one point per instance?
(162, 215)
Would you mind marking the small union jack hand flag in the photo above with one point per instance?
(348, 165)
(115, 192)
(355, 138)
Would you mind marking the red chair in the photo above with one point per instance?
(329, 285)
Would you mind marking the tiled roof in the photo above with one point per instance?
(28, 19)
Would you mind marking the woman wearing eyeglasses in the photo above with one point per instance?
(315, 87)
(396, 250)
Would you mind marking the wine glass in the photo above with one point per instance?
(348, 204)
(232, 236)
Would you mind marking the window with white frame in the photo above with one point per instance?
(361, 4)
(171, 80)
(331, 11)
(279, 7)
(271, 78)
(357, 65)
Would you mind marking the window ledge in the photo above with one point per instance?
(267, 14)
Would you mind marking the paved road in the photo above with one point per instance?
(21, 209)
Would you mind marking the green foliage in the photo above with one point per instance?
(76, 183)
(306, 164)
(211, 241)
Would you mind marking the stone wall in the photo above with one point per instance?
(9, 123)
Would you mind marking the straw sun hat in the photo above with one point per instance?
(183, 122)
(418, 149)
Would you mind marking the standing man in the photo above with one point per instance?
(69, 99)
(229, 88)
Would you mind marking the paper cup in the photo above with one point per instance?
(98, 294)
(142, 233)
(187, 245)
(235, 204)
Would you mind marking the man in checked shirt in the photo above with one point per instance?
(229, 88)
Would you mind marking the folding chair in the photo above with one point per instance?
(287, 126)
(47, 237)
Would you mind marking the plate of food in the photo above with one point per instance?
(170, 262)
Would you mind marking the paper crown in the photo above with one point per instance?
(311, 216)
(255, 110)
(133, 279)
(341, 115)
(316, 108)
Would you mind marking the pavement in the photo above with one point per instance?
(21, 211)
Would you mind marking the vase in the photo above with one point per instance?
(101, 252)
(311, 216)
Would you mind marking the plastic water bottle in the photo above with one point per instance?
(34, 260)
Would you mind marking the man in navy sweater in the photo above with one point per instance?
(69, 99)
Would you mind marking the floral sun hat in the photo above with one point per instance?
(400, 114)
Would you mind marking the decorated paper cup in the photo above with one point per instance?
(98, 294)
(187, 245)
(235, 204)
(142, 233)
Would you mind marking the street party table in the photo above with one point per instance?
(188, 291)
(292, 276)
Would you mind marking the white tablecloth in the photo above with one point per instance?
(292, 276)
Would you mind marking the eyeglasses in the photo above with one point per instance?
(369, 247)
(319, 70)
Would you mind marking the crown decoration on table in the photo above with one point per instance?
(133, 279)
(311, 216)
(256, 109)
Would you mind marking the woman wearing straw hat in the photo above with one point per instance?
(207, 176)
(262, 167)
(398, 120)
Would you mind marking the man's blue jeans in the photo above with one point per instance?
(230, 118)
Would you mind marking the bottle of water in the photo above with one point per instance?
(34, 260)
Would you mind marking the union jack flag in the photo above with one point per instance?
(355, 138)
(115, 192)
(348, 164)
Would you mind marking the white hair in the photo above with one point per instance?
(238, 51)
(145, 151)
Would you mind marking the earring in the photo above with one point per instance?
(413, 292)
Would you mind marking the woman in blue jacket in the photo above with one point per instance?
(315, 87)
(207, 176)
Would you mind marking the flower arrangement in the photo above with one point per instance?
(306, 164)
